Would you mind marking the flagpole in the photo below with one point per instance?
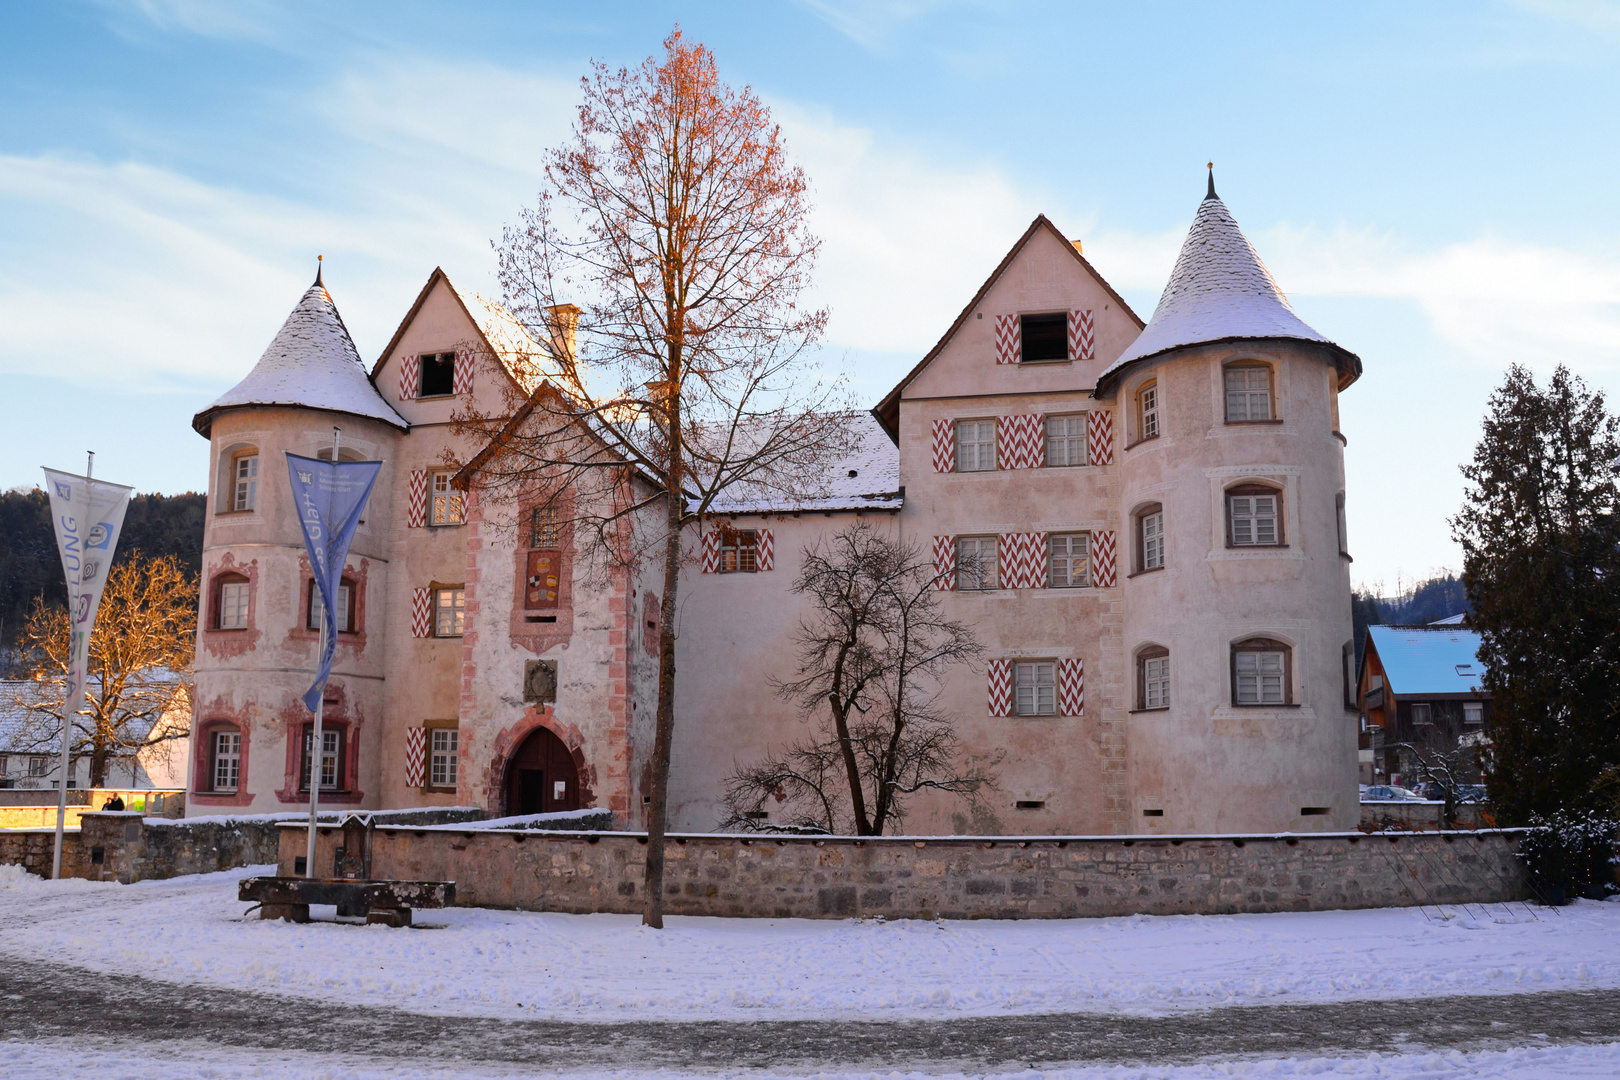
(76, 679)
(316, 747)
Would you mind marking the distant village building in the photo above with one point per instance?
(27, 762)
(1420, 686)
(1145, 523)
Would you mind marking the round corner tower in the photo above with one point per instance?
(1237, 629)
(257, 634)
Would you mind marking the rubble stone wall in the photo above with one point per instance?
(958, 878)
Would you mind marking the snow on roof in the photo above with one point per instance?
(312, 363)
(1218, 291)
(1420, 660)
(19, 724)
(867, 478)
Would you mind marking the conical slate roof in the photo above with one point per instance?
(311, 363)
(1220, 291)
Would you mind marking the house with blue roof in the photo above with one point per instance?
(1419, 686)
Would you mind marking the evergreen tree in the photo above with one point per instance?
(1541, 557)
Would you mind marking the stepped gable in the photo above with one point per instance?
(1220, 291)
(311, 363)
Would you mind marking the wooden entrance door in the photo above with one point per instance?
(542, 778)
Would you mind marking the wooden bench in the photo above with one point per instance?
(386, 902)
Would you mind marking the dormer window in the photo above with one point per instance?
(1045, 338)
(438, 374)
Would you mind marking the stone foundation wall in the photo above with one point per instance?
(32, 850)
(957, 878)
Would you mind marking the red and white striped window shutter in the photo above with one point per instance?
(999, 688)
(415, 756)
(944, 563)
(464, 370)
(1104, 558)
(1082, 336)
(765, 550)
(711, 552)
(1023, 560)
(1072, 687)
(418, 505)
(1100, 436)
(421, 612)
(1022, 441)
(944, 445)
(1009, 338)
(410, 377)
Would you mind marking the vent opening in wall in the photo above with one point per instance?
(756, 815)
(1153, 813)
(1315, 811)
(1029, 804)
(539, 618)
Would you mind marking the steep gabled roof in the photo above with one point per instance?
(887, 411)
(311, 363)
(1436, 659)
(507, 339)
(1220, 291)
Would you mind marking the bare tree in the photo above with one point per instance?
(660, 275)
(140, 660)
(1449, 770)
(872, 657)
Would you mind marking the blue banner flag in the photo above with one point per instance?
(330, 496)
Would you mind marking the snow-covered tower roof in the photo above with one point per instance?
(311, 363)
(1220, 291)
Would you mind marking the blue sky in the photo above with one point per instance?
(1433, 184)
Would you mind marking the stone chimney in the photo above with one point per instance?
(563, 320)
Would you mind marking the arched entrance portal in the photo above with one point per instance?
(542, 778)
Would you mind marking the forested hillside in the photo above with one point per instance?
(29, 566)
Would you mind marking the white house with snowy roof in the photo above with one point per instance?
(1143, 523)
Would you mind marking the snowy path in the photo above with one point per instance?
(603, 968)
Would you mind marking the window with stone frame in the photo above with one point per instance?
(543, 530)
(1262, 672)
(1035, 688)
(1068, 560)
(975, 446)
(225, 759)
(331, 758)
(1254, 516)
(244, 480)
(449, 612)
(739, 551)
(975, 563)
(442, 757)
(1043, 338)
(1065, 440)
(438, 374)
(1147, 410)
(345, 606)
(1248, 393)
(231, 596)
(1153, 678)
(444, 501)
(1149, 522)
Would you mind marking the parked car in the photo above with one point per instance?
(1470, 792)
(1390, 793)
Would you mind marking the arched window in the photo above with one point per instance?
(1248, 392)
(1149, 539)
(1254, 516)
(231, 593)
(238, 479)
(1262, 672)
(1147, 410)
(1153, 677)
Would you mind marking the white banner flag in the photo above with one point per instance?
(88, 515)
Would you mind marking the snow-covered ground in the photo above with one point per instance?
(530, 965)
(190, 1061)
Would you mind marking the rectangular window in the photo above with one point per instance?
(1421, 716)
(1153, 540)
(739, 550)
(1473, 712)
(1065, 440)
(331, 741)
(449, 612)
(38, 766)
(1045, 337)
(1248, 394)
(1254, 520)
(245, 482)
(312, 615)
(227, 759)
(1148, 399)
(438, 374)
(543, 527)
(1259, 678)
(1069, 560)
(1035, 688)
(975, 445)
(442, 758)
(975, 563)
(1156, 682)
(233, 605)
(445, 505)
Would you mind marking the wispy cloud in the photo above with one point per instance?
(241, 20)
(871, 24)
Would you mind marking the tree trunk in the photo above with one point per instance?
(653, 882)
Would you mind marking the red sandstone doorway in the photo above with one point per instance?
(542, 778)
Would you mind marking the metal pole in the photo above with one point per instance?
(76, 680)
(316, 746)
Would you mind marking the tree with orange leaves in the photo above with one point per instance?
(662, 269)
